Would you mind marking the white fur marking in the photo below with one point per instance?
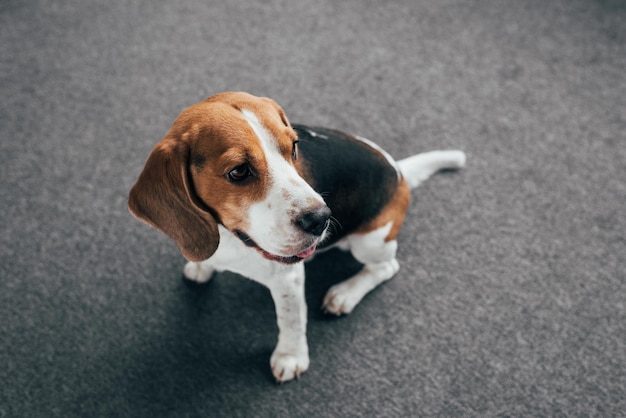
(315, 134)
(419, 167)
(286, 285)
(379, 258)
(273, 228)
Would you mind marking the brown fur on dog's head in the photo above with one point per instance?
(184, 189)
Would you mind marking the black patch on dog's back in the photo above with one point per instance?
(355, 180)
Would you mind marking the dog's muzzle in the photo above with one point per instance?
(314, 222)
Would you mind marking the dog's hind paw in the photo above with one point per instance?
(340, 300)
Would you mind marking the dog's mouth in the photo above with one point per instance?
(245, 238)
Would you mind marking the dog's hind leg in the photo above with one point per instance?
(380, 265)
(375, 247)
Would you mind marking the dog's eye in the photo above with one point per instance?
(240, 173)
(294, 151)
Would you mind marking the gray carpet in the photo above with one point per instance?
(511, 298)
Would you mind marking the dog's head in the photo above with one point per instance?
(231, 160)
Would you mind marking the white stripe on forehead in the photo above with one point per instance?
(268, 143)
(273, 221)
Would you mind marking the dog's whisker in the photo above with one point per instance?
(335, 223)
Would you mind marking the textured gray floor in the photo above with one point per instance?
(511, 298)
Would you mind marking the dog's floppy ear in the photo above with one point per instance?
(164, 197)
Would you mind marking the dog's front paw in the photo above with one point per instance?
(198, 272)
(287, 366)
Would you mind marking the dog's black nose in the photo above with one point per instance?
(314, 222)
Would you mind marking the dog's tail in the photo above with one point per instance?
(419, 167)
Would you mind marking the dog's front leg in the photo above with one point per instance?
(291, 355)
(286, 285)
(199, 272)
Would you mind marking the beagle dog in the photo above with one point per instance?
(239, 188)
